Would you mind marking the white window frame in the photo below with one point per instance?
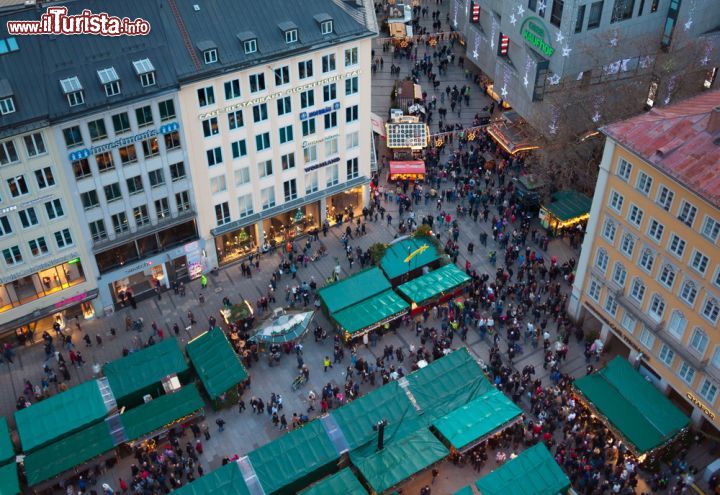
(710, 228)
(704, 390)
(664, 197)
(687, 213)
(594, 290)
(351, 57)
(250, 46)
(210, 56)
(687, 289)
(667, 275)
(686, 372)
(699, 262)
(635, 215)
(655, 230)
(666, 355)
(291, 36)
(7, 105)
(627, 244)
(35, 144)
(245, 205)
(638, 290)
(643, 183)
(711, 309)
(679, 246)
(326, 27)
(699, 341)
(623, 169)
(647, 257)
(677, 324)
(242, 176)
(628, 322)
(646, 338)
(619, 274)
(609, 226)
(601, 260)
(615, 201)
(611, 305)
(656, 308)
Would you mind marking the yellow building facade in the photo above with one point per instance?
(649, 272)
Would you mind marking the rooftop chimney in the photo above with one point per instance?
(713, 125)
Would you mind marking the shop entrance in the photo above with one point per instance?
(291, 224)
(344, 206)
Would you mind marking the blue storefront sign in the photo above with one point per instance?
(86, 152)
(321, 111)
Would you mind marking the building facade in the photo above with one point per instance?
(649, 272)
(579, 63)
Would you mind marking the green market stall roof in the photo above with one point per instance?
(226, 480)
(569, 204)
(294, 459)
(215, 362)
(533, 472)
(145, 368)
(343, 482)
(394, 264)
(433, 284)
(352, 290)
(370, 312)
(7, 451)
(9, 483)
(67, 453)
(477, 418)
(60, 415)
(466, 490)
(639, 411)
(399, 460)
(157, 413)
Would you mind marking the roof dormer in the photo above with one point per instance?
(325, 22)
(249, 42)
(145, 70)
(209, 51)
(110, 81)
(290, 30)
(73, 91)
(7, 97)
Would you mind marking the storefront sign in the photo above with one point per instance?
(70, 300)
(322, 111)
(536, 34)
(322, 164)
(700, 406)
(36, 268)
(278, 94)
(162, 130)
(310, 142)
(139, 266)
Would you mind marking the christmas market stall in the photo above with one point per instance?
(286, 326)
(535, 470)
(406, 138)
(512, 134)
(226, 480)
(358, 287)
(344, 481)
(569, 209)
(399, 20)
(635, 411)
(407, 259)
(9, 483)
(411, 170)
(405, 94)
(374, 312)
(434, 288)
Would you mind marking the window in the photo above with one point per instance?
(288, 161)
(282, 76)
(150, 147)
(157, 177)
(311, 182)
(654, 6)
(699, 262)
(556, 12)
(329, 92)
(647, 338)
(326, 27)
(667, 276)
(128, 154)
(330, 120)
(664, 197)
(331, 146)
(72, 135)
(12, 256)
(687, 213)
(624, 169)
(310, 153)
(699, 341)
(235, 120)
(250, 46)
(351, 114)
(352, 140)
(44, 178)
(710, 228)
(75, 98)
(635, 215)
(351, 86)
(611, 305)
(245, 204)
(655, 230)
(206, 96)
(140, 214)
(28, 217)
(351, 57)
(637, 290)
(214, 156)
(257, 82)
(260, 112)
(135, 184)
(686, 372)
(332, 175)
(594, 290)
(210, 127)
(112, 192)
(5, 227)
(689, 292)
(210, 56)
(619, 274)
(177, 171)
(242, 176)
(262, 141)
(120, 222)
(232, 89)
(172, 140)
(89, 199)
(305, 69)
(265, 168)
(307, 98)
(628, 322)
(18, 187)
(647, 259)
(657, 307)
(54, 209)
(308, 126)
(183, 201)
(627, 245)
(63, 238)
(601, 260)
(291, 36)
(595, 16)
(222, 213)
(73, 90)
(676, 245)
(580, 19)
(162, 208)
(644, 183)
(284, 105)
(7, 106)
(34, 144)
(97, 230)
(239, 148)
(708, 391)
(609, 230)
(623, 9)
(290, 189)
(167, 110)
(352, 168)
(81, 168)
(218, 184)
(144, 116)
(328, 63)
(711, 309)
(676, 325)
(666, 354)
(267, 197)
(616, 201)
(105, 161)
(147, 79)
(121, 122)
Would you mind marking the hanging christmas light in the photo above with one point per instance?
(554, 116)
(668, 90)
(476, 47)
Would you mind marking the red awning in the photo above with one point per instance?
(411, 167)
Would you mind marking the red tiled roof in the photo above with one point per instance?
(675, 139)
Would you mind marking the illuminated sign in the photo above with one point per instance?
(504, 44)
(315, 113)
(310, 142)
(322, 164)
(86, 152)
(474, 12)
(534, 32)
(700, 405)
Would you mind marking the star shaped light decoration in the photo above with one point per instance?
(553, 129)
(704, 61)
(513, 19)
(596, 117)
(688, 25)
(475, 54)
(520, 11)
(566, 51)
(559, 37)
(525, 80)
(613, 41)
(504, 91)
(554, 79)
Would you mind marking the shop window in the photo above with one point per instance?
(178, 235)
(116, 257)
(234, 245)
(148, 245)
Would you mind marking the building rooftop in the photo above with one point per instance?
(682, 140)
